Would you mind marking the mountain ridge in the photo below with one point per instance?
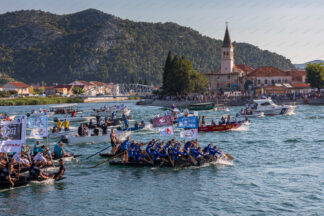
(38, 46)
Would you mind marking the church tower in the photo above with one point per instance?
(227, 62)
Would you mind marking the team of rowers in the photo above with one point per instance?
(11, 167)
(156, 152)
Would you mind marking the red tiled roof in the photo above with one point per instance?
(244, 68)
(267, 71)
(19, 84)
(84, 82)
(300, 85)
(68, 87)
(98, 83)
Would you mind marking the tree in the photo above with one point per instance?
(180, 77)
(315, 75)
(77, 90)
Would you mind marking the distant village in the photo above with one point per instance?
(92, 88)
(265, 80)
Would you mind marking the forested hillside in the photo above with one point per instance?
(38, 46)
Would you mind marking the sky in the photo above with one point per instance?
(292, 28)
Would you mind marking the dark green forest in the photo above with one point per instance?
(37, 46)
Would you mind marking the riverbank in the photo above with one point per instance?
(21, 101)
(237, 101)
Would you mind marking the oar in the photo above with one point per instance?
(108, 160)
(98, 152)
(226, 155)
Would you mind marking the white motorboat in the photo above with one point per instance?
(107, 111)
(269, 108)
(75, 139)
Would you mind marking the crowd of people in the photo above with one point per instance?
(13, 166)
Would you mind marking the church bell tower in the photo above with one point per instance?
(227, 61)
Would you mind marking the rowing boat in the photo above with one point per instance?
(221, 127)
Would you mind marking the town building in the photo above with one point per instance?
(20, 87)
(229, 75)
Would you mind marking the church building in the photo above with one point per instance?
(229, 76)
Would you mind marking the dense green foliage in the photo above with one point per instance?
(38, 101)
(36, 46)
(180, 77)
(7, 93)
(315, 75)
(77, 90)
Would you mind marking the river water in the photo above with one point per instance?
(278, 170)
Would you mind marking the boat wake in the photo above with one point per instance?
(44, 182)
(244, 127)
(222, 161)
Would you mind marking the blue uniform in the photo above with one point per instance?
(125, 145)
(213, 152)
(195, 153)
(148, 149)
(126, 122)
(137, 155)
(58, 150)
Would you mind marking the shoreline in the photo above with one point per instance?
(27, 101)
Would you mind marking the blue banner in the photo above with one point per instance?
(188, 122)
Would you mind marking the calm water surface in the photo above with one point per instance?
(278, 170)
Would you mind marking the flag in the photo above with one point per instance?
(12, 135)
(189, 134)
(188, 122)
(167, 131)
(38, 126)
(162, 121)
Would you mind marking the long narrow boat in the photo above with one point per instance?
(219, 128)
(202, 106)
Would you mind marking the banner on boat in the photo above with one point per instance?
(189, 134)
(188, 122)
(38, 126)
(162, 121)
(167, 131)
(12, 135)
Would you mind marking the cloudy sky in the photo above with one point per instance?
(293, 28)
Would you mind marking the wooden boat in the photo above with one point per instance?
(219, 128)
(63, 108)
(23, 181)
(202, 106)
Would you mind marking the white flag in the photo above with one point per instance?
(189, 134)
(167, 131)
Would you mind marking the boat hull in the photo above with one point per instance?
(219, 128)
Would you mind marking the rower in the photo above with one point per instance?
(66, 125)
(73, 113)
(59, 125)
(59, 150)
(113, 115)
(61, 171)
(36, 173)
(36, 147)
(142, 125)
(41, 160)
(90, 125)
(80, 129)
(54, 130)
(203, 121)
(125, 147)
(136, 125)
(126, 123)
(95, 132)
(104, 128)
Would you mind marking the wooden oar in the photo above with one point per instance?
(98, 152)
(226, 155)
(108, 159)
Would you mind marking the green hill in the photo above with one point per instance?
(39, 46)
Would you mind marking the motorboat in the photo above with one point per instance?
(108, 111)
(75, 118)
(269, 108)
(75, 139)
(64, 108)
(250, 113)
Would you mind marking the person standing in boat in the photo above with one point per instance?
(36, 148)
(95, 132)
(59, 124)
(126, 123)
(104, 128)
(228, 119)
(66, 125)
(73, 113)
(113, 141)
